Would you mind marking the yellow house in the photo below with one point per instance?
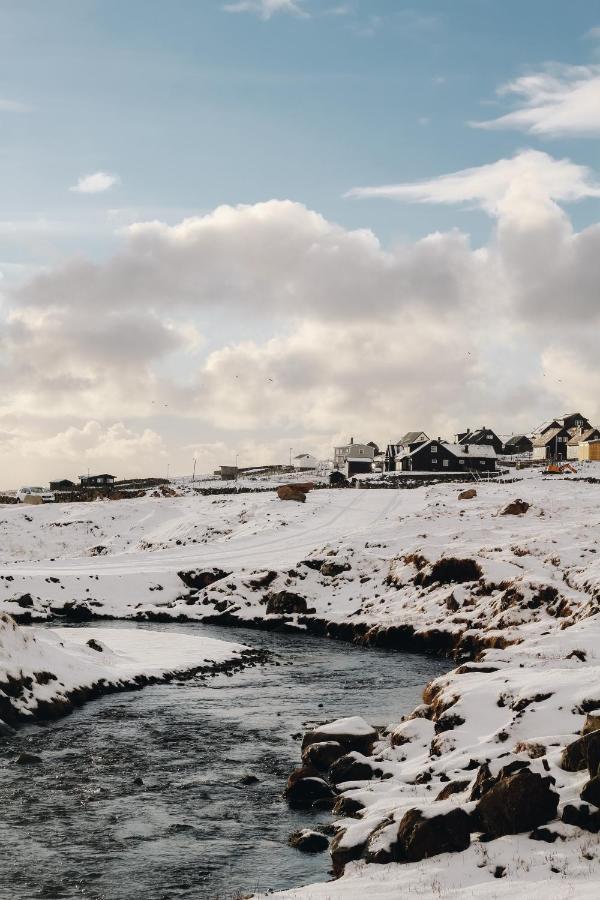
(590, 450)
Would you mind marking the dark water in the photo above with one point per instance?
(78, 826)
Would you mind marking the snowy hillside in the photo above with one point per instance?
(511, 592)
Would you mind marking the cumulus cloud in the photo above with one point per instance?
(524, 186)
(96, 183)
(349, 337)
(558, 100)
(265, 9)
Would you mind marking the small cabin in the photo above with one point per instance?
(590, 450)
(97, 481)
(518, 445)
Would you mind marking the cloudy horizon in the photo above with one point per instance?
(201, 258)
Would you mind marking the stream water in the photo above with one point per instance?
(79, 826)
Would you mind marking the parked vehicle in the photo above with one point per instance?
(35, 495)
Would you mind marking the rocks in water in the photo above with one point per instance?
(28, 759)
(353, 733)
(308, 841)
(291, 492)
(516, 802)
(516, 508)
(138, 781)
(582, 753)
(468, 494)
(347, 807)
(305, 787)
(453, 787)
(322, 755)
(202, 578)
(352, 767)
(248, 779)
(420, 837)
(286, 602)
(591, 791)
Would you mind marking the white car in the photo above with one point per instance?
(35, 495)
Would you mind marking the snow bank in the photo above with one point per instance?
(45, 672)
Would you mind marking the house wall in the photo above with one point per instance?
(590, 451)
(426, 460)
(341, 454)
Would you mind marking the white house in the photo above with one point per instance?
(305, 461)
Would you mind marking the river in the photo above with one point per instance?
(79, 826)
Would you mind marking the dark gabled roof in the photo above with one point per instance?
(542, 440)
(411, 436)
(515, 438)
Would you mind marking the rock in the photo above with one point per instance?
(516, 508)
(453, 787)
(348, 807)
(543, 834)
(305, 786)
(468, 494)
(322, 755)
(28, 759)
(308, 841)
(352, 767)
(332, 569)
(483, 782)
(286, 602)
(201, 578)
(352, 733)
(94, 645)
(138, 781)
(291, 492)
(419, 837)
(592, 723)
(591, 791)
(582, 817)
(342, 851)
(382, 845)
(582, 753)
(248, 779)
(515, 803)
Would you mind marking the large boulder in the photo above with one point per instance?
(306, 787)
(352, 767)
(322, 755)
(353, 733)
(468, 494)
(515, 803)
(420, 837)
(591, 791)
(308, 841)
(582, 816)
(291, 492)
(201, 578)
(286, 602)
(343, 849)
(516, 508)
(582, 753)
(592, 723)
(332, 569)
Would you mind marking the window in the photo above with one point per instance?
(434, 448)
(445, 462)
(462, 462)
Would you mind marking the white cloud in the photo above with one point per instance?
(265, 9)
(7, 105)
(558, 100)
(525, 186)
(96, 183)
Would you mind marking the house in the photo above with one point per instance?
(63, 485)
(518, 445)
(406, 444)
(97, 481)
(574, 420)
(305, 461)
(580, 436)
(483, 437)
(590, 450)
(441, 456)
(359, 465)
(551, 444)
(356, 451)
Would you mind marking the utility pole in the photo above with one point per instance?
(194, 471)
(290, 457)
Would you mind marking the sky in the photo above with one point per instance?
(235, 228)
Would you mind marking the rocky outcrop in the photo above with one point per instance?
(591, 791)
(420, 837)
(515, 803)
(285, 603)
(202, 578)
(582, 753)
(308, 841)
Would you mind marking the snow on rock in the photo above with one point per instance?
(45, 672)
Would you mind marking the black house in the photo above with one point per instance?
(552, 444)
(483, 437)
(97, 481)
(63, 485)
(517, 445)
(575, 420)
(439, 456)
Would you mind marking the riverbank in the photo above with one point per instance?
(509, 588)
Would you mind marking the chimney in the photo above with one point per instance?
(466, 446)
(351, 440)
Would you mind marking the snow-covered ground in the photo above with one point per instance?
(514, 595)
(43, 672)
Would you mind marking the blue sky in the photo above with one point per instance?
(396, 265)
(193, 106)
